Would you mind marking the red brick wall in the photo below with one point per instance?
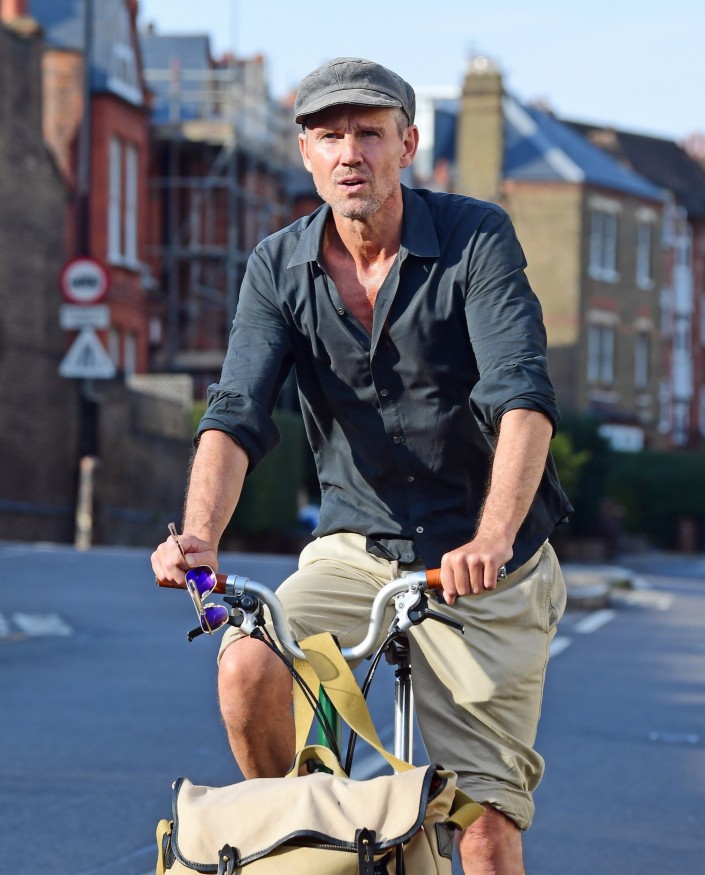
(62, 106)
(113, 117)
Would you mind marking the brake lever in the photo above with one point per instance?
(250, 612)
(421, 611)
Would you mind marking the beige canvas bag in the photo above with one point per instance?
(323, 823)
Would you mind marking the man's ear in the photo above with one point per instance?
(410, 145)
(303, 148)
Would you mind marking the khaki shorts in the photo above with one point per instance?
(477, 696)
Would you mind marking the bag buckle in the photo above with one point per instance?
(226, 860)
(365, 842)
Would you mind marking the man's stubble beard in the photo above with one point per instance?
(358, 211)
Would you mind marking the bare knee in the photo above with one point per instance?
(254, 688)
(492, 846)
(251, 677)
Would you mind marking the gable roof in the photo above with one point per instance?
(190, 54)
(540, 147)
(664, 162)
(115, 64)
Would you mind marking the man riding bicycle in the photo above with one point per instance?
(420, 355)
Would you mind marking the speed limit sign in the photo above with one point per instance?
(84, 281)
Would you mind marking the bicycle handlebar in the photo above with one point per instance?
(232, 584)
(412, 582)
(433, 581)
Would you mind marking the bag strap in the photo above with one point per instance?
(303, 712)
(325, 666)
(164, 828)
(464, 810)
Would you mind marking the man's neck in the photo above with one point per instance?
(370, 240)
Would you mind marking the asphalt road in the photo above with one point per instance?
(104, 703)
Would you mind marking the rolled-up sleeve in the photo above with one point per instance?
(258, 361)
(506, 329)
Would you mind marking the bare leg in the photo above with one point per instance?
(254, 688)
(491, 846)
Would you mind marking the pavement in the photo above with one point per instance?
(590, 587)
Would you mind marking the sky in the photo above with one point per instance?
(637, 66)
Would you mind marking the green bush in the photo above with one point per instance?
(583, 459)
(269, 500)
(658, 490)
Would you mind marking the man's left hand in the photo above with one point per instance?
(473, 568)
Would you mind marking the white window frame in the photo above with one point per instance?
(115, 228)
(131, 203)
(604, 231)
(601, 347)
(644, 254)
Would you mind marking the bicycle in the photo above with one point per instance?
(245, 598)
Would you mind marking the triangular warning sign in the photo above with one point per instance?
(87, 359)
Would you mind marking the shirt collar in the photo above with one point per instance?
(418, 235)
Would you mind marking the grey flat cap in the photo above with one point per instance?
(353, 81)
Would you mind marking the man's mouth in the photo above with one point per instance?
(352, 181)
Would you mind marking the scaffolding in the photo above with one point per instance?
(225, 174)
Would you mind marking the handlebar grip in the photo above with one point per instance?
(170, 584)
(433, 578)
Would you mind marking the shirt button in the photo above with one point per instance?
(410, 478)
(419, 529)
(341, 312)
(396, 439)
(408, 557)
(384, 393)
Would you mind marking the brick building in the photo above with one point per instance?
(682, 290)
(139, 425)
(225, 173)
(103, 151)
(591, 230)
(38, 409)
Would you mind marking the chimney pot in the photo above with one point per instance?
(13, 9)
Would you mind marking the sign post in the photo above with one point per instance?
(84, 286)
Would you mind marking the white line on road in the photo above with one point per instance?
(40, 625)
(594, 621)
(649, 598)
(559, 644)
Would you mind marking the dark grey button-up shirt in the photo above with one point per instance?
(402, 422)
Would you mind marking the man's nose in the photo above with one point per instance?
(351, 152)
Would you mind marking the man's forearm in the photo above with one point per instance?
(518, 465)
(217, 474)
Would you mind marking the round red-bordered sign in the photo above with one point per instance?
(84, 281)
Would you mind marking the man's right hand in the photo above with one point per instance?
(168, 564)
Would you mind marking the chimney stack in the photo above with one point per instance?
(10, 10)
(481, 132)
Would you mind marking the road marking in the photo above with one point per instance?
(559, 644)
(594, 621)
(674, 737)
(647, 598)
(42, 625)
